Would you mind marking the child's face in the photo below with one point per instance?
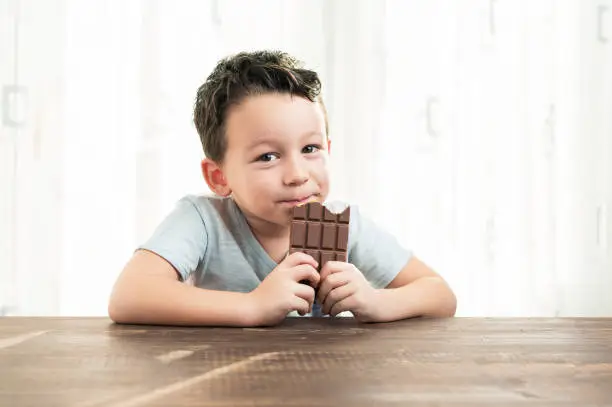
(277, 154)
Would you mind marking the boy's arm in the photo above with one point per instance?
(416, 291)
(148, 292)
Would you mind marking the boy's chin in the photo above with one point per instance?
(282, 217)
(286, 215)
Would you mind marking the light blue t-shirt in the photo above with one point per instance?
(210, 244)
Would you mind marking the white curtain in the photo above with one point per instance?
(479, 132)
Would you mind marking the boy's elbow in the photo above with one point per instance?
(115, 312)
(449, 309)
(118, 310)
(447, 306)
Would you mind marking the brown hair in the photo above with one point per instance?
(245, 74)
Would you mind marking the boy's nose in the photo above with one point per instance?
(295, 174)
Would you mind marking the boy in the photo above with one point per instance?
(263, 127)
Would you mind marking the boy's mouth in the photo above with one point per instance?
(300, 200)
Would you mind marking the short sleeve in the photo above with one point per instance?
(180, 238)
(374, 251)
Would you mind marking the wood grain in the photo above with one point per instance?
(92, 362)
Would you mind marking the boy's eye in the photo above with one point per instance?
(267, 157)
(311, 149)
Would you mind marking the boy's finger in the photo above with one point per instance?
(306, 273)
(341, 306)
(306, 292)
(333, 281)
(332, 267)
(300, 305)
(297, 258)
(336, 295)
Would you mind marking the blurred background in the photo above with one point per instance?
(477, 131)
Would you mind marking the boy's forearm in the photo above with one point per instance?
(426, 297)
(166, 302)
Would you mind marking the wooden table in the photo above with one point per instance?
(91, 362)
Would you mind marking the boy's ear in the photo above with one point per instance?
(214, 177)
(328, 145)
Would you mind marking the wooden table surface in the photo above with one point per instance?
(91, 362)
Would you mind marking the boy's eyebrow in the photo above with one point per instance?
(259, 141)
(312, 133)
(265, 139)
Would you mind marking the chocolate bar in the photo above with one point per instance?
(319, 232)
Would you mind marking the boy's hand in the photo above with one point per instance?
(344, 288)
(281, 291)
